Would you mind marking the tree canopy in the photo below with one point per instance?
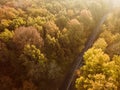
(41, 39)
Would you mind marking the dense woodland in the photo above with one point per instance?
(40, 40)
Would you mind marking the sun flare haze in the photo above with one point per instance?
(59, 44)
(116, 3)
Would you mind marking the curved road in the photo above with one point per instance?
(79, 61)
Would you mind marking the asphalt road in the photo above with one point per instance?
(70, 77)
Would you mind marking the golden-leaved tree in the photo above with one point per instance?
(99, 72)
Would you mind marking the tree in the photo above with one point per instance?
(87, 19)
(99, 6)
(109, 37)
(2, 2)
(33, 62)
(113, 20)
(28, 85)
(15, 23)
(116, 59)
(114, 49)
(7, 35)
(27, 35)
(61, 22)
(3, 52)
(53, 6)
(8, 12)
(70, 13)
(34, 12)
(5, 24)
(98, 72)
(6, 83)
(54, 73)
(76, 35)
(86, 15)
(51, 29)
(100, 44)
(74, 24)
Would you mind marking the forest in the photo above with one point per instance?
(41, 39)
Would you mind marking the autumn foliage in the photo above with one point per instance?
(41, 39)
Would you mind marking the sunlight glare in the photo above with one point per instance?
(116, 3)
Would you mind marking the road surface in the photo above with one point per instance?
(79, 61)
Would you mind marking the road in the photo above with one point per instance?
(79, 61)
